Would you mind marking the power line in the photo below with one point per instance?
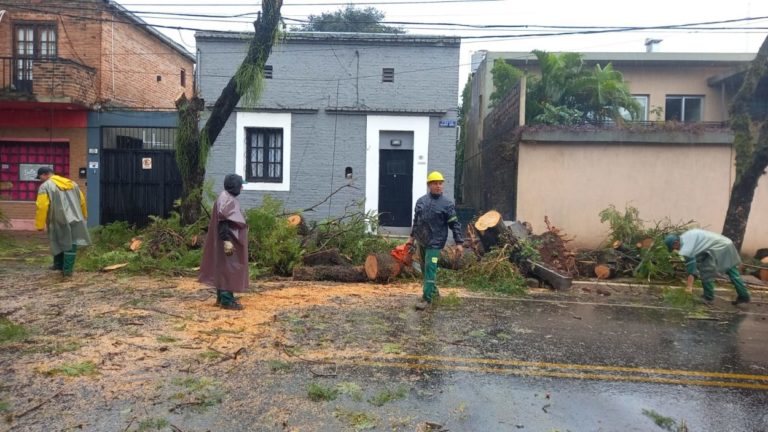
(366, 3)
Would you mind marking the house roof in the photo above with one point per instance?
(645, 58)
(151, 30)
(364, 38)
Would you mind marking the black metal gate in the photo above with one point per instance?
(137, 183)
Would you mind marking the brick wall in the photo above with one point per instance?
(77, 158)
(138, 59)
(85, 36)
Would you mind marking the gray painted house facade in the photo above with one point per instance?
(372, 111)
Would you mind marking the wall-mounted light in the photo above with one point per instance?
(348, 172)
(395, 143)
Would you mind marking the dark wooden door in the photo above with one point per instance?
(395, 187)
(132, 189)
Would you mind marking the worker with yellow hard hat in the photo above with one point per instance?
(433, 215)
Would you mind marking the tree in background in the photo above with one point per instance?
(751, 152)
(351, 20)
(566, 92)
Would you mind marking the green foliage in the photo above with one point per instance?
(165, 250)
(11, 332)
(558, 115)
(74, 369)
(680, 298)
(655, 262)
(167, 339)
(272, 243)
(4, 406)
(249, 80)
(466, 101)
(451, 300)
(352, 234)
(388, 395)
(493, 273)
(568, 93)
(351, 389)
(505, 77)
(4, 220)
(392, 348)
(626, 227)
(279, 366)
(350, 19)
(357, 420)
(318, 392)
(666, 423)
(203, 392)
(152, 424)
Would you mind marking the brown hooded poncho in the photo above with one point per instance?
(226, 273)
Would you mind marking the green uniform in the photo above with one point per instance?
(708, 254)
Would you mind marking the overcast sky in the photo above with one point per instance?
(738, 38)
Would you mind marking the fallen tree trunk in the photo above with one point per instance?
(381, 267)
(451, 259)
(490, 228)
(763, 272)
(334, 273)
(328, 257)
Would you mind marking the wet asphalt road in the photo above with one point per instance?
(545, 365)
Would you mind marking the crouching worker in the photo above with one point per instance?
(709, 254)
(61, 206)
(225, 258)
(433, 215)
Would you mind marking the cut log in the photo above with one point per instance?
(329, 257)
(135, 244)
(381, 267)
(490, 228)
(296, 220)
(760, 254)
(605, 271)
(451, 259)
(334, 273)
(645, 243)
(764, 272)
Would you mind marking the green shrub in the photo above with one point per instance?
(494, 273)
(272, 243)
(11, 332)
(319, 393)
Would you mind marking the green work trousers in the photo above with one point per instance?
(738, 283)
(429, 258)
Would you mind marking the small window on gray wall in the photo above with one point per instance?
(388, 75)
(268, 72)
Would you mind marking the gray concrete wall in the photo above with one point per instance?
(310, 77)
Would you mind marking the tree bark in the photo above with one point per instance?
(451, 259)
(324, 257)
(490, 228)
(334, 273)
(381, 267)
(266, 27)
(189, 156)
(751, 158)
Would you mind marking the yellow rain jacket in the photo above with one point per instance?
(61, 206)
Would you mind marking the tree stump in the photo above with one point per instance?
(334, 273)
(296, 220)
(490, 228)
(605, 271)
(764, 272)
(329, 257)
(381, 267)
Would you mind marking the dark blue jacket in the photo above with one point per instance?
(432, 217)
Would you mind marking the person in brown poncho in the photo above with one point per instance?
(225, 258)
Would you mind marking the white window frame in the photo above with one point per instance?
(245, 120)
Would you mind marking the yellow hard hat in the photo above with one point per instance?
(435, 176)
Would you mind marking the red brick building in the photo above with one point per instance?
(60, 60)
